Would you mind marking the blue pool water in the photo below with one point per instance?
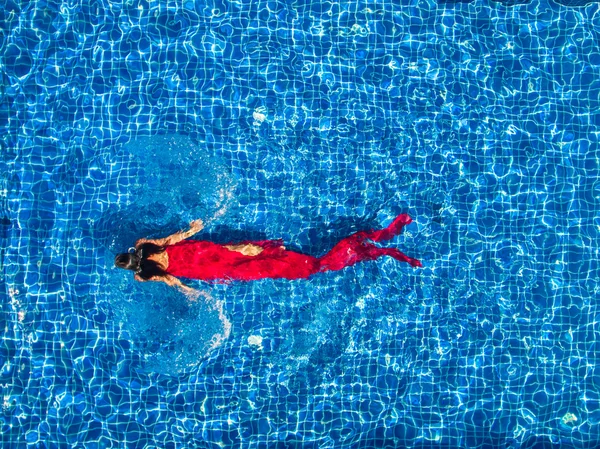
(304, 121)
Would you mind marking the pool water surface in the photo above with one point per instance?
(305, 121)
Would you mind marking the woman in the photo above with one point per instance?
(173, 257)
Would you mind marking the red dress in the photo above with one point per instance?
(198, 259)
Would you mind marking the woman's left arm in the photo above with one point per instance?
(195, 227)
(172, 281)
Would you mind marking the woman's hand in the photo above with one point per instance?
(191, 294)
(196, 226)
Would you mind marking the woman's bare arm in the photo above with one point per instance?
(195, 227)
(174, 282)
(170, 280)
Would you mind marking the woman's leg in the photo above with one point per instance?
(247, 249)
(374, 253)
(353, 249)
(393, 229)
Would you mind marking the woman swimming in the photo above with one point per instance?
(173, 257)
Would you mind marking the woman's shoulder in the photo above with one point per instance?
(193, 244)
(148, 247)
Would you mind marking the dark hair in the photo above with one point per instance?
(139, 262)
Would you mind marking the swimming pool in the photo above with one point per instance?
(304, 121)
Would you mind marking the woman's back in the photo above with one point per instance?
(208, 261)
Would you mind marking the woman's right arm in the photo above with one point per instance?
(195, 227)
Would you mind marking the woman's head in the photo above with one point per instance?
(128, 261)
(139, 262)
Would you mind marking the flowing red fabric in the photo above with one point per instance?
(199, 259)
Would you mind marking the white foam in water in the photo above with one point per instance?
(216, 305)
(256, 341)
